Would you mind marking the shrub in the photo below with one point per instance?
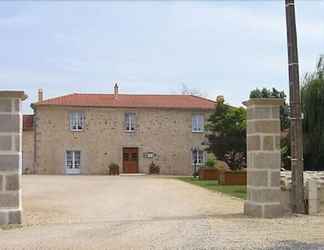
(210, 163)
(113, 169)
(154, 169)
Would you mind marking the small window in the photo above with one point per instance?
(198, 123)
(198, 157)
(73, 159)
(130, 121)
(77, 121)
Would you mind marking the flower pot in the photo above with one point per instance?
(232, 178)
(208, 173)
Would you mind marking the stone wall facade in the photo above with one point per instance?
(263, 158)
(28, 151)
(10, 156)
(165, 132)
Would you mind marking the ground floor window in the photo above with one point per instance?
(198, 157)
(72, 161)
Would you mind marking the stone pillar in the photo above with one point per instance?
(263, 158)
(313, 195)
(10, 156)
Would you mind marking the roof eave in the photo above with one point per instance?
(34, 105)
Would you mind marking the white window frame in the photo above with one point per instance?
(198, 123)
(201, 158)
(77, 120)
(75, 168)
(130, 121)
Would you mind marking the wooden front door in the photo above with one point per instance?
(130, 160)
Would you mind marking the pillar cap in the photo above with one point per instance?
(264, 102)
(13, 93)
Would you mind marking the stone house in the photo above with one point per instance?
(84, 133)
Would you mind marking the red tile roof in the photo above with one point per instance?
(130, 101)
(28, 122)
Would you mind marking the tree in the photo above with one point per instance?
(313, 124)
(227, 134)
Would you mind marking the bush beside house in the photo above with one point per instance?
(113, 169)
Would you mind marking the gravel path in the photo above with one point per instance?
(128, 212)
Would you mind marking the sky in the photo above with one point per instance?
(217, 47)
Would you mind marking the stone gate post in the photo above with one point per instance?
(263, 158)
(10, 156)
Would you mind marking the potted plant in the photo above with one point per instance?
(154, 169)
(209, 171)
(113, 169)
(237, 177)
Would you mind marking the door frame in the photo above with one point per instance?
(137, 161)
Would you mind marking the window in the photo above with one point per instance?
(197, 123)
(73, 160)
(198, 157)
(77, 121)
(130, 121)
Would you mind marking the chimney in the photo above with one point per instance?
(220, 99)
(116, 90)
(40, 95)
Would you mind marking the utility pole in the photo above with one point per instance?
(296, 131)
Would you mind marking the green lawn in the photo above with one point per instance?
(236, 191)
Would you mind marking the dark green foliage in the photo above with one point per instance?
(210, 163)
(227, 135)
(267, 93)
(313, 124)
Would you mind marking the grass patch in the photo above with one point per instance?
(236, 191)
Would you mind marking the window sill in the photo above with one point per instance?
(77, 130)
(130, 131)
(199, 132)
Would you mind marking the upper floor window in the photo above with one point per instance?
(130, 121)
(198, 123)
(77, 121)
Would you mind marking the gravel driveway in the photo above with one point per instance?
(142, 212)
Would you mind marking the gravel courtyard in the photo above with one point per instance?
(143, 212)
